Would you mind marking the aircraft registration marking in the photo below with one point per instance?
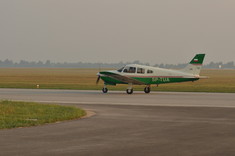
(160, 79)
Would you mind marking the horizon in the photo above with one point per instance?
(112, 63)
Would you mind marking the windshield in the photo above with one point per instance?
(120, 70)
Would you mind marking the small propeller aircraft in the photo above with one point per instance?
(134, 74)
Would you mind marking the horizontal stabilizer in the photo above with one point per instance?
(204, 77)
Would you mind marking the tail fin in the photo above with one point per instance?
(194, 67)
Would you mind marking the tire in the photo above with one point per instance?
(129, 91)
(105, 90)
(147, 90)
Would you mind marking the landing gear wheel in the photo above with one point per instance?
(105, 90)
(129, 91)
(147, 90)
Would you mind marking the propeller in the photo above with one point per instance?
(98, 74)
(98, 79)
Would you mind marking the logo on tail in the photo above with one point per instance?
(198, 59)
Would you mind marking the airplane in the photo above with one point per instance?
(134, 74)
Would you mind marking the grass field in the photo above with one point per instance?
(24, 114)
(84, 79)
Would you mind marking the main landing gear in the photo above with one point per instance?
(129, 89)
(147, 89)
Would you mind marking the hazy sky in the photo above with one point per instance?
(152, 31)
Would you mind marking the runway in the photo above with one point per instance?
(121, 98)
(159, 123)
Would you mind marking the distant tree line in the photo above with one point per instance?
(49, 64)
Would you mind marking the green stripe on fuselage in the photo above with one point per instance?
(148, 80)
(111, 81)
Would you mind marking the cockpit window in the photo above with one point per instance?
(120, 70)
(140, 70)
(129, 70)
(149, 71)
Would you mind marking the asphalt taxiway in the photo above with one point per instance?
(159, 123)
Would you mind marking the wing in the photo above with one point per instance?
(122, 78)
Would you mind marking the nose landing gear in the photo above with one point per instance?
(105, 89)
(129, 89)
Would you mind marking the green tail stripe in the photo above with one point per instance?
(198, 59)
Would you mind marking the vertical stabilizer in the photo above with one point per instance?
(195, 65)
